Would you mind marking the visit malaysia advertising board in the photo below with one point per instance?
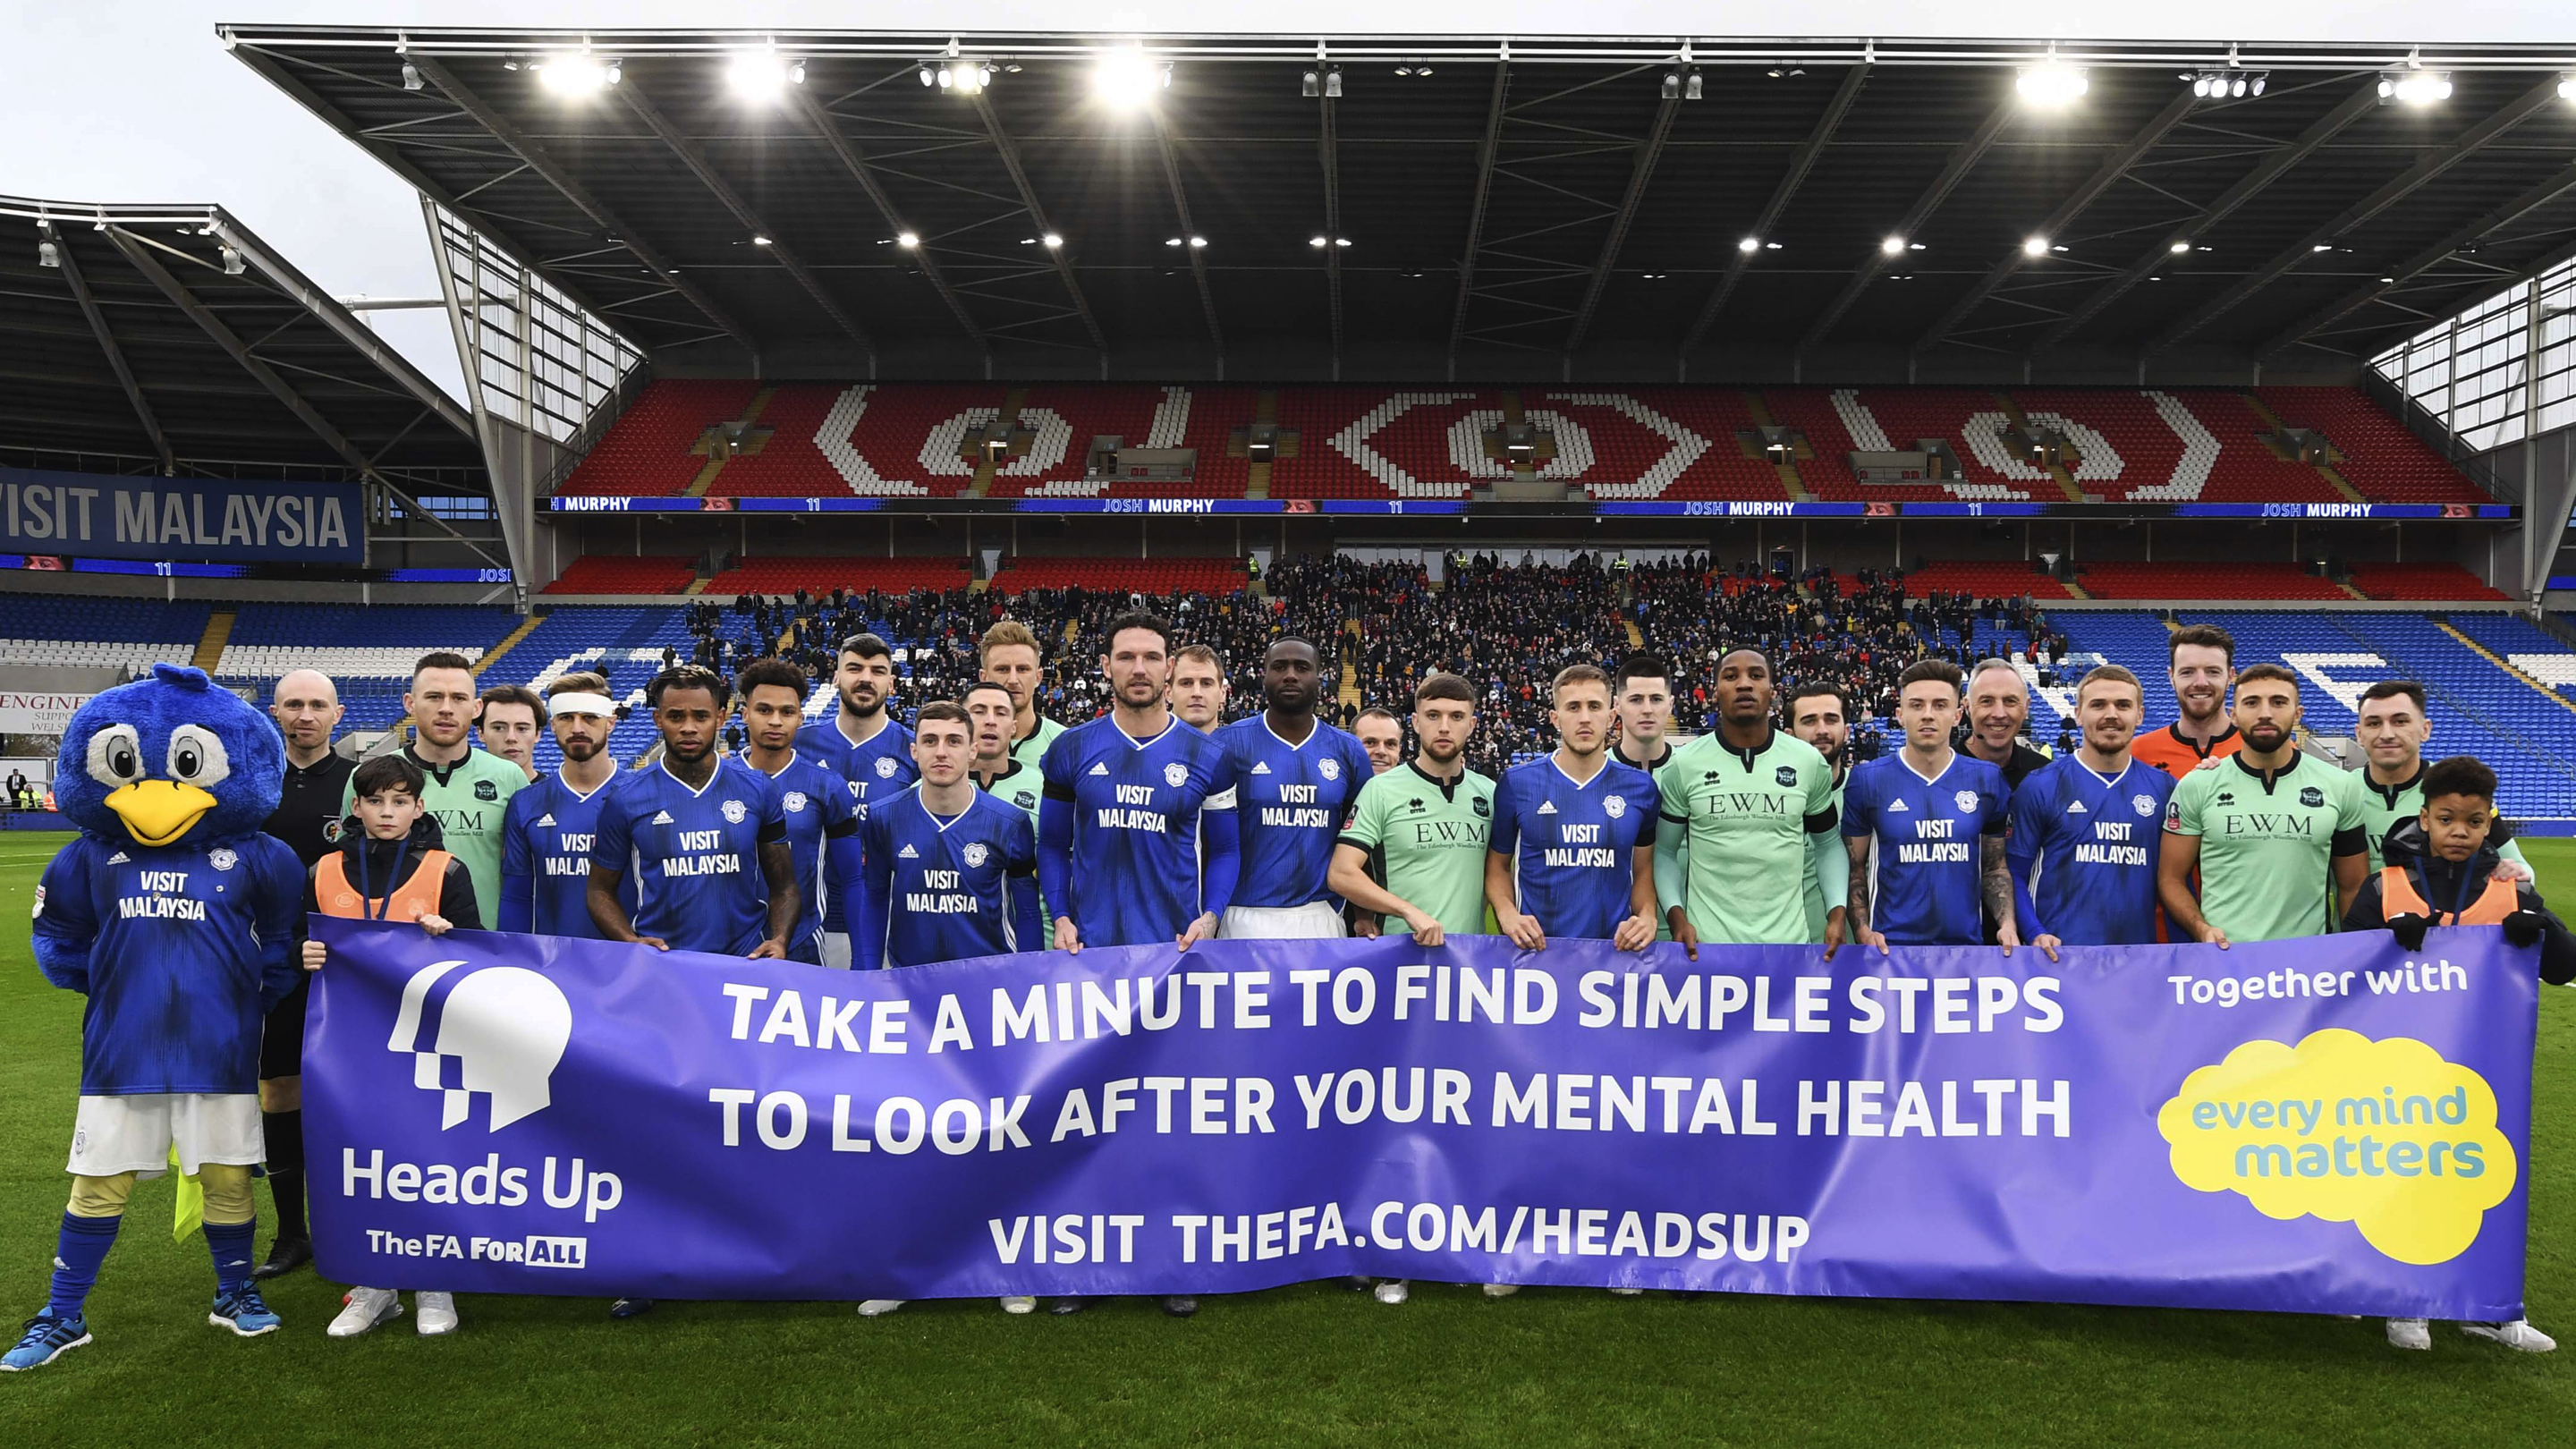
(2317, 1126)
(98, 515)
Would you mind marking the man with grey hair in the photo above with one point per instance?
(1998, 706)
(306, 706)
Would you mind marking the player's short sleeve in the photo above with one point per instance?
(515, 859)
(1367, 827)
(1056, 767)
(509, 777)
(1860, 804)
(2022, 819)
(1645, 802)
(873, 844)
(1222, 777)
(1822, 814)
(840, 813)
(773, 811)
(615, 841)
(1995, 807)
(2352, 824)
(1672, 796)
(1504, 837)
(2182, 811)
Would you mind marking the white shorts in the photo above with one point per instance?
(135, 1134)
(836, 950)
(1315, 921)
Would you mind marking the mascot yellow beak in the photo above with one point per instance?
(157, 812)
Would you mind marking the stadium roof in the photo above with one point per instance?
(1513, 208)
(172, 340)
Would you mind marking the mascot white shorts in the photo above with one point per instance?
(1316, 921)
(135, 1134)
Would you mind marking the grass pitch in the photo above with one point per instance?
(1309, 1365)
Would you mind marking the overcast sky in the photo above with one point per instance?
(134, 100)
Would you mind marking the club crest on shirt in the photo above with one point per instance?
(486, 790)
(222, 857)
(973, 854)
(331, 830)
(1484, 808)
(2146, 804)
(793, 802)
(885, 767)
(1175, 772)
(1615, 806)
(2312, 797)
(1329, 769)
(1787, 775)
(733, 812)
(1967, 802)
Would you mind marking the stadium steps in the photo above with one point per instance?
(2333, 479)
(508, 642)
(1636, 636)
(210, 645)
(2498, 660)
(715, 461)
(696, 586)
(2356, 593)
(1003, 421)
(2065, 481)
(1265, 409)
(2076, 589)
(1790, 482)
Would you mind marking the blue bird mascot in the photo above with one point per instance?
(175, 916)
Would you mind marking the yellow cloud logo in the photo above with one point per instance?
(2384, 1135)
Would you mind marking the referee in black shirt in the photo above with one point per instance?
(307, 711)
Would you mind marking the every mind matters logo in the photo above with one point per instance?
(500, 1033)
(2385, 1135)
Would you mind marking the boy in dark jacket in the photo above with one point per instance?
(2442, 871)
(391, 867)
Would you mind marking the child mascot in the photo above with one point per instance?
(175, 917)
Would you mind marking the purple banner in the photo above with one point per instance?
(2323, 1125)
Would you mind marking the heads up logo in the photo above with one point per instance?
(505, 1026)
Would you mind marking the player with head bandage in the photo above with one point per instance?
(550, 827)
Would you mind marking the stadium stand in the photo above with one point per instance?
(2525, 646)
(2380, 457)
(1359, 442)
(2004, 579)
(1967, 421)
(2441, 582)
(98, 633)
(790, 464)
(624, 574)
(1655, 443)
(1215, 412)
(2206, 581)
(2247, 470)
(786, 573)
(1064, 419)
(269, 639)
(625, 644)
(1143, 576)
(2130, 446)
(646, 451)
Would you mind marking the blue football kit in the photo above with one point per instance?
(1291, 802)
(872, 769)
(181, 950)
(1927, 868)
(694, 855)
(1122, 826)
(1569, 842)
(2083, 852)
(822, 828)
(947, 889)
(548, 836)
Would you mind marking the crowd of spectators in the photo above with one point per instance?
(1506, 626)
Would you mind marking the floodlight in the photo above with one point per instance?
(1052, 240)
(1310, 85)
(1749, 245)
(411, 80)
(573, 74)
(48, 255)
(2051, 83)
(2415, 87)
(1319, 242)
(1671, 89)
(2567, 88)
(2034, 246)
(1893, 246)
(232, 260)
(2178, 248)
(760, 75)
(907, 239)
(1200, 241)
(1125, 78)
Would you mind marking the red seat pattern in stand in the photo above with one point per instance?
(893, 432)
(785, 574)
(2382, 459)
(2138, 448)
(1985, 579)
(1404, 442)
(1627, 448)
(790, 464)
(2248, 471)
(624, 574)
(1910, 414)
(646, 452)
(2447, 582)
(2206, 581)
(1065, 418)
(1135, 575)
(1828, 474)
(1215, 412)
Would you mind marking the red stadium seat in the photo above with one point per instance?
(1139, 575)
(2382, 459)
(2206, 581)
(646, 451)
(2443, 582)
(624, 574)
(785, 574)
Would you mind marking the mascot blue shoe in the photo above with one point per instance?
(177, 918)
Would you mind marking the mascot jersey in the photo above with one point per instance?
(181, 943)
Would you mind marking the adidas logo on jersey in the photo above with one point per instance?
(661, 817)
(1895, 805)
(545, 820)
(120, 858)
(1099, 770)
(907, 853)
(2076, 807)
(1262, 768)
(1547, 807)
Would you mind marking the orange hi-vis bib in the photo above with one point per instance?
(2398, 897)
(410, 901)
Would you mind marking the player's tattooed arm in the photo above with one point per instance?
(1856, 907)
(1995, 876)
